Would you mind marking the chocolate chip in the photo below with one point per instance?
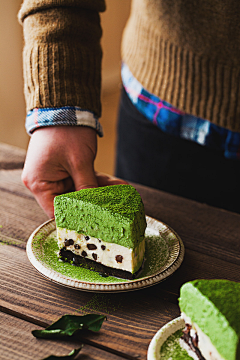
(99, 240)
(103, 247)
(87, 238)
(77, 246)
(84, 254)
(119, 258)
(94, 256)
(91, 247)
(68, 242)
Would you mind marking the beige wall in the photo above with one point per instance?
(12, 106)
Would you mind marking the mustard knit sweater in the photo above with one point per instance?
(186, 52)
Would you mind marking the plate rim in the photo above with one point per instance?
(161, 336)
(136, 284)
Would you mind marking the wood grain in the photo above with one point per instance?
(132, 317)
(211, 237)
(19, 216)
(18, 343)
(10, 181)
(11, 157)
(203, 228)
(200, 266)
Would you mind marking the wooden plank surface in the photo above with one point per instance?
(11, 157)
(18, 343)
(20, 218)
(201, 266)
(20, 214)
(133, 317)
(203, 228)
(211, 238)
(10, 181)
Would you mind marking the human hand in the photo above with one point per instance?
(60, 159)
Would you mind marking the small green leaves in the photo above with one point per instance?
(70, 356)
(67, 325)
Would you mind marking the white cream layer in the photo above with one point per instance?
(107, 253)
(208, 350)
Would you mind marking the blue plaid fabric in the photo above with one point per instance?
(68, 115)
(175, 122)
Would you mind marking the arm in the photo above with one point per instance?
(62, 53)
(60, 159)
(62, 60)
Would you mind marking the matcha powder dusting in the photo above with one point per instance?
(102, 303)
(171, 349)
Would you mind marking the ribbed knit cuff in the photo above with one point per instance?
(68, 115)
(52, 80)
(62, 58)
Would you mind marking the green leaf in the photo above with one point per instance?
(67, 325)
(70, 356)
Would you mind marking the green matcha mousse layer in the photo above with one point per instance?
(214, 305)
(114, 214)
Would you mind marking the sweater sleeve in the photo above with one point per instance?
(62, 53)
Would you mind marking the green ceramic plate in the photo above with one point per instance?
(164, 254)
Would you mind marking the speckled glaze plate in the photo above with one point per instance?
(163, 338)
(164, 254)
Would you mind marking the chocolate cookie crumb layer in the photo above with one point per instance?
(77, 260)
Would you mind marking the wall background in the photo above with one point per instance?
(12, 105)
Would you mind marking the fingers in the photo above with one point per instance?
(45, 191)
(80, 159)
(85, 178)
(105, 180)
(45, 200)
(60, 160)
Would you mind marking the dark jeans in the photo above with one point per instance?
(148, 156)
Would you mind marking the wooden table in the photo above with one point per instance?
(29, 301)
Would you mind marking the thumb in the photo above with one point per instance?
(84, 179)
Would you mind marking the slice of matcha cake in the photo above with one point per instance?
(211, 311)
(105, 225)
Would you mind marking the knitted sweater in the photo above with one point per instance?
(62, 53)
(184, 51)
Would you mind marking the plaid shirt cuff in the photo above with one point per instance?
(68, 115)
(175, 122)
